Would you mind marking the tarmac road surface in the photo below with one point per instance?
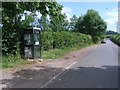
(97, 69)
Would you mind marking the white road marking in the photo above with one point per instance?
(51, 80)
(57, 75)
(71, 65)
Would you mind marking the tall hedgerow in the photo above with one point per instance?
(116, 39)
(53, 40)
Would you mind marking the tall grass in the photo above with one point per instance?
(11, 60)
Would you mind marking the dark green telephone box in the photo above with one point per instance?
(32, 43)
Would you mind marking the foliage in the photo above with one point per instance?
(13, 25)
(111, 32)
(61, 24)
(108, 36)
(54, 35)
(73, 22)
(53, 40)
(96, 39)
(44, 23)
(56, 53)
(91, 23)
(116, 39)
(11, 60)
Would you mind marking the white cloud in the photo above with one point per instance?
(112, 19)
(113, 12)
(68, 12)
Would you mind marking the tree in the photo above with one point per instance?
(110, 32)
(58, 23)
(73, 22)
(65, 24)
(91, 23)
(13, 26)
(44, 23)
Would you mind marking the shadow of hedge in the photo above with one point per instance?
(80, 77)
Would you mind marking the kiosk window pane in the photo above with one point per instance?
(28, 52)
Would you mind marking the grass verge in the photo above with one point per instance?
(56, 53)
(14, 60)
(12, 64)
(10, 61)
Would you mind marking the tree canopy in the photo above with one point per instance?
(73, 22)
(91, 23)
(13, 25)
(110, 32)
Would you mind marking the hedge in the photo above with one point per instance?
(52, 40)
(116, 39)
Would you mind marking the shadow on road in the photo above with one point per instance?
(87, 77)
(80, 77)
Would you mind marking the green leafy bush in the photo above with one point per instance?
(96, 39)
(116, 39)
(53, 40)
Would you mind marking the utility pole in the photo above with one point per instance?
(118, 23)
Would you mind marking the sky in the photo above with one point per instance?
(107, 10)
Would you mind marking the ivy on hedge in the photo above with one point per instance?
(52, 40)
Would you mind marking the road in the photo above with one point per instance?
(95, 66)
(98, 68)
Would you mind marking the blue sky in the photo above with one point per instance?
(107, 10)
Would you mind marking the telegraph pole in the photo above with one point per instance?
(118, 23)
